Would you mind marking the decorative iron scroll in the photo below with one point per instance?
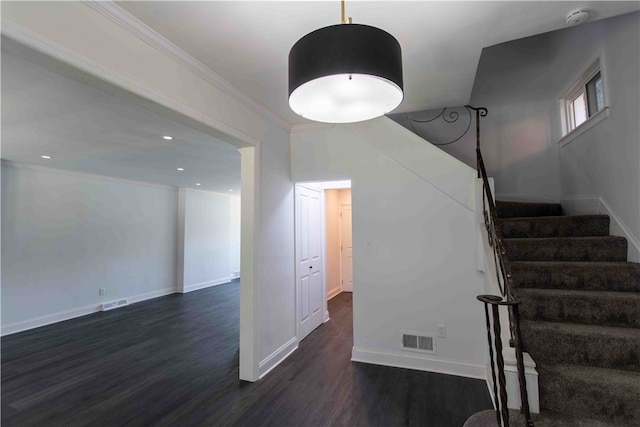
(448, 115)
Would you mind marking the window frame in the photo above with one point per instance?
(568, 130)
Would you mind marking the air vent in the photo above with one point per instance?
(418, 342)
(114, 304)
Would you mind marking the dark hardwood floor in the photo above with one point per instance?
(173, 361)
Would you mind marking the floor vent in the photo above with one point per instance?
(114, 304)
(416, 342)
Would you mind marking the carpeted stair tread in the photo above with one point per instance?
(591, 276)
(618, 309)
(524, 209)
(555, 226)
(589, 345)
(609, 395)
(609, 248)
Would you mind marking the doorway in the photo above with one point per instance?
(324, 251)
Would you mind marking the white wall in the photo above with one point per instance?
(513, 82)
(211, 244)
(604, 162)
(276, 285)
(442, 127)
(66, 235)
(411, 200)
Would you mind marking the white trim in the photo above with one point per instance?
(44, 45)
(596, 59)
(145, 33)
(310, 127)
(618, 227)
(207, 284)
(333, 293)
(275, 358)
(61, 316)
(373, 356)
(49, 169)
(584, 127)
(250, 327)
(591, 205)
(512, 381)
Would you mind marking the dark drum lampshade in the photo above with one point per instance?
(345, 73)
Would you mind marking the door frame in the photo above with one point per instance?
(341, 269)
(115, 81)
(323, 248)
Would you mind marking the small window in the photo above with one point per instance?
(585, 99)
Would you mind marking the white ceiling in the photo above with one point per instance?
(88, 130)
(248, 42)
(89, 127)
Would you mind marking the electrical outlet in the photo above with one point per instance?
(102, 291)
(442, 331)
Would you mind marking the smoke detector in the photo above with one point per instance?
(577, 17)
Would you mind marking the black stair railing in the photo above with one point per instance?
(508, 297)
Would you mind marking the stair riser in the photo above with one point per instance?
(576, 398)
(555, 227)
(587, 350)
(587, 277)
(566, 250)
(516, 210)
(586, 309)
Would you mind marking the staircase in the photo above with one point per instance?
(580, 315)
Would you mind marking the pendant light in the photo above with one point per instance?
(345, 73)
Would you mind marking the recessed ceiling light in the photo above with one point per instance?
(197, 183)
(167, 137)
(180, 169)
(46, 157)
(230, 189)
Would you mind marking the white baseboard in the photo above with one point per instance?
(333, 293)
(591, 205)
(618, 228)
(376, 357)
(275, 358)
(202, 285)
(61, 316)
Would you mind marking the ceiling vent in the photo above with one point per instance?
(577, 17)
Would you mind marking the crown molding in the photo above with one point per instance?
(145, 33)
(77, 174)
(310, 127)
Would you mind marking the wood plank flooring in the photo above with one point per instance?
(173, 361)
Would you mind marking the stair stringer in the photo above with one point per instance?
(443, 171)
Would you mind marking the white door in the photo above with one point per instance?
(309, 259)
(346, 249)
